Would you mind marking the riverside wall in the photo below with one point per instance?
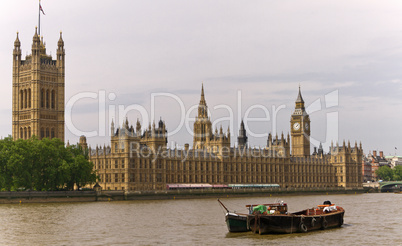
(93, 196)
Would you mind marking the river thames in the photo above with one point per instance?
(370, 219)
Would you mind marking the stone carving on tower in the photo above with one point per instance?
(300, 129)
(38, 91)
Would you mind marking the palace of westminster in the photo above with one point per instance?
(133, 160)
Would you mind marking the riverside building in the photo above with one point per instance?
(140, 160)
(38, 91)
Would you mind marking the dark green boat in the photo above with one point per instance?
(235, 222)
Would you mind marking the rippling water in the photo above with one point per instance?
(370, 219)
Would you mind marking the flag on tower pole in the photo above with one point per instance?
(40, 8)
(43, 12)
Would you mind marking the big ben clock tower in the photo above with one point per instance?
(300, 129)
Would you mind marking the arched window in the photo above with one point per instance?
(47, 98)
(25, 98)
(29, 98)
(53, 99)
(25, 133)
(42, 133)
(52, 133)
(42, 98)
(29, 132)
(22, 99)
(47, 132)
(21, 133)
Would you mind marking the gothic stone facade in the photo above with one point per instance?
(38, 91)
(142, 161)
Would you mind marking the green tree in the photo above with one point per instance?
(398, 173)
(80, 169)
(385, 173)
(6, 175)
(19, 163)
(43, 165)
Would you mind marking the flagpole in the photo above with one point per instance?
(39, 19)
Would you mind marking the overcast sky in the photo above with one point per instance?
(345, 55)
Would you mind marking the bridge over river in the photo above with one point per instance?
(390, 186)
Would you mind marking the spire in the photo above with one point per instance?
(320, 150)
(17, 42)
(202, 107)
(299, 97)
(36, 36)
(138, 127)
(299, 108)
(60, 42)
(112, 128)
(299, 100)
(242, 138)
(202, 90)
(242, 131)
(126, 123)
(160, 123)
(202, 100)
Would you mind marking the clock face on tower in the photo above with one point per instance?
(296, 126)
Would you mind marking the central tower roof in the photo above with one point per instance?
(202, 106)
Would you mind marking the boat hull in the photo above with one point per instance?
(293, 223)
(236, 222)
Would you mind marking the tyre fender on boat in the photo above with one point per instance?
(324, 224)
(313, 220)
(303, 227)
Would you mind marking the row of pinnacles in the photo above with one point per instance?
(123, 138)
(279, 147)
(156, 137)
(151, 132)
(346, 151)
